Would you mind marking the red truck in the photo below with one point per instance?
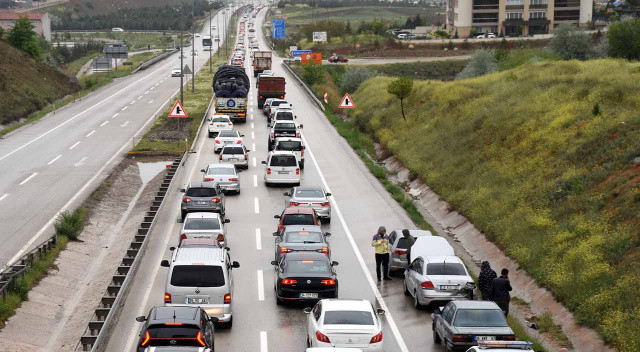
(270, 87)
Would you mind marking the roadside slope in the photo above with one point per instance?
(544, 159)
(26, 85)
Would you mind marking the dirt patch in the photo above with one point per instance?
(171, 130)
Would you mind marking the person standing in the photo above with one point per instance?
(410, 241)
(381, 245)
(485, 280)
(500, 288)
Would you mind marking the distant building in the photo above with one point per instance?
(515, 17)
(40, 21)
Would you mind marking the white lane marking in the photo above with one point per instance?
(260, 286)
(73, 146)
(30, 177)
(90, 133)
(140, 97)
(251, 117)
(263, 342)
(255, 180)
(252, 125)
(258, 240)
(256, 206)
(81, 162)
(151, 101)
(253, 147)
(152, 88)
(133, 102)
(158, 84)
(104, 123)
(79, 114)
(125, 108)
(251, 109)
(3, 197)
(125, 124)
(253, 135)
(54, 159)
(147, 92)
(254, 162)
(115, 115)
(363, 266)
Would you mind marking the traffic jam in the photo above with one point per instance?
(199, 295)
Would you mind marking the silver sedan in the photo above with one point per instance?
(314, 197)
(225, 175)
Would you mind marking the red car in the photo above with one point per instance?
(297, 216)
(338, 58)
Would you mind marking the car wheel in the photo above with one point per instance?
(267, 184)
(210, 134)
(278, 300)
(183, 214)
(416, 302)
(327, 220)
(229, 324)
(436, 338)
(448, 347)
(404, 286)
(308, 342)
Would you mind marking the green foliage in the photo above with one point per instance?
(401, 88)
(570, 43)
(71, 224)
(1, 32)
(313, 74)
(333, 29)
(24, 38)
(482, 63)
(442, 34)
(624, 39)
(355, 76)
(373, 27)
(445, 70)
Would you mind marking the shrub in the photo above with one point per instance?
(312, 74)
(442, 34)
(1, 32)
(24, 38)
(624, 39)
(482, 62)
(352, 79)
(401, 88)
(71, 224)
(570, 43)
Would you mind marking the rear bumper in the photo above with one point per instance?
(193, 209)
(222, 312)
(294, 294)
(397, 262)
(282, 180)
(431, 296)
(230, 186)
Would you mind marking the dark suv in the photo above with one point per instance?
(176, 326)
(202, 197)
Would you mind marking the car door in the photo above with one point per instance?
(207, 330)
(314, 322)
(447, 320)
(415, 270)
(278, 241)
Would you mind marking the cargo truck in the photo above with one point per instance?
(270, 87)
(261, 62)
(231, 87)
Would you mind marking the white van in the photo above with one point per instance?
(201, 277)
(116, 29)
(293, 145)
(281, 168)
(431, 245)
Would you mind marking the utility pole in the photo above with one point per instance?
(218, 29)
(193, 48)
(211, 47)
(181, 61)
(226, 36)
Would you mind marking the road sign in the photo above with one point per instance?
(319, 36)
(178, 110)
(300, 52)
(311, 58)
(326, 98)
(346, 102)
(293, 48)
(186, 70)
(278, 28)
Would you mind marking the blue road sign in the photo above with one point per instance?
(300, 52)
(278, 28)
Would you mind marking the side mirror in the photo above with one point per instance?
(242, 135)
(276, 234)
(380, 311)
(263, 162)
(214, 320)
(164, 263)
(286, 194)
(182, 190)
(227, 248)
(328, 194)
(235, 265)
(327, 234)
(202, 170)
(180, 220)
(276, 216)
(307, 310)
(301, 126)
(172, 248)
(141, 318)
(247, 150)
(273, 262)
(334, 263)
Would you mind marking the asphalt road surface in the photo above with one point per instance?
(54, 163)
(360, 205)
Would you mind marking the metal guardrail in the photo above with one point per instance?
(150, 62)
(305, 86)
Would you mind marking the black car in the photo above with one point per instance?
(176, 326)
(202, 197)
(305, 276)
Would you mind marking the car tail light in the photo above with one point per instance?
(211, 123)
(215, 199)
(289, 281)
(399, 251)
(297, 171)
(294, 204)
(183, 236)
(167, 298)
(217, 141)
(322, 337)
(461, 338)
(509, 338)
(233, 179)
(302, 153)
(220, 158)
(271, 134)
(325, 204)
(377, 338)
(227, 298)
(285, 250)
(268, 171)
(323, 250)
(200, 339)
(427, 284)
(186, 200)
(220, 238)
(297, 134)
(147, 338)
(208, 179)
(282, 97)
(239, 141)
(230, 124)
(328, 282)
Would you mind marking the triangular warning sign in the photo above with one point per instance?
(186, 70)
(346, 102)
(178, 110)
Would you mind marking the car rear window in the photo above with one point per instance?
(303, 237)
(228, 134)
(202, 224)
(290, 145)
(220, 119)
(283, 160)
(307, 267)
(284, 116)
(277, 102)
(298, 219)
(197, 276)
(309, 193)
(201, 192)
(445, 269)
(184, 335)
(480, 318)
(348, 317)
(221, 171)
(285, 125)
(232, 150)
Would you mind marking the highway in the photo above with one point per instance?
(360, 205)
(54, 164)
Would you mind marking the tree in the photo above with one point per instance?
(624, 39)
(355, 76)
(570, 43)
(482, 62)
(401, 88)
(24, 38)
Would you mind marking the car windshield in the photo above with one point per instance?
(480, 318)
(348, 317)
(307, 267)
(298, 219)
(303, 237)
(284, 115)
(202, 224)
(289, 145)
(201, 192)
(283, 160)
(221, 171)
(228, 134)
(232, 150)
(197, 276)
(309, 193)
(446, 269)
(220, 119)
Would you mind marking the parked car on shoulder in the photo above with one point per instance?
(338, 58)
(398, 248)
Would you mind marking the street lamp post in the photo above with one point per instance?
(211, 38)
(193, 48)
(218, 30)
(181, 62)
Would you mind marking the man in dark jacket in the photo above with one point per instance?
(410, 241)
(500, 291)
(485, 280)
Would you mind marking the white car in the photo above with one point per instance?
(219, 123)
(293, 145)
(281, 168)
(343, 324)
(332, 349)
(204, 225)
(176, 72)
(227, 137)
(502, 346)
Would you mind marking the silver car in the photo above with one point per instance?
(204, 225)
(295, 238)
(398, 252)
(225, 175)
(227, 137)
(310, 196)
(236, 155)
(265, 106)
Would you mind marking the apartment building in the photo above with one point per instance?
(514, 17)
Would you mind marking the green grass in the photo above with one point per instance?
(74, 66)
(301, 14)
(521, 333)
(445, 70)
(134, 41)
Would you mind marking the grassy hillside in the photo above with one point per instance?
(541, 159)
(26, 85)
(300, 14)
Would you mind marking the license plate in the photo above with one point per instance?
(228, 142)
(308, 295)
(283, 172)
(220, 126)
(448, 287)
(202, 202)
(197, 301)
(485, 338)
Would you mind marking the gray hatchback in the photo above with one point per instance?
(294, 238)
(202, 197)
